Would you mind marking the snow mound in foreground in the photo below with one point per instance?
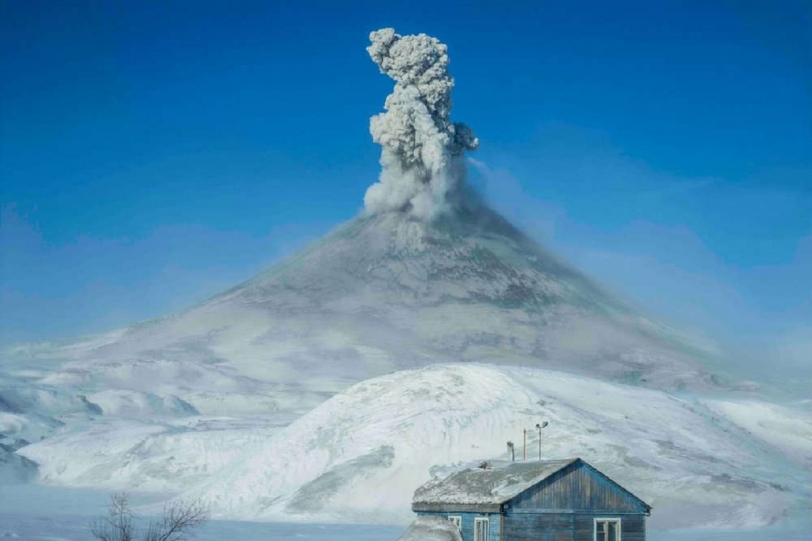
(359, 456)
(431, 529)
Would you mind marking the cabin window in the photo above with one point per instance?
(480, 529)
(607, 529)
(457, 522)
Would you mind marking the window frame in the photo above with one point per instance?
(487, 521)
(595, 521)
(456, 519)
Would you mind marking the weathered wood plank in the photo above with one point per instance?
(578, 487)
(539, 527)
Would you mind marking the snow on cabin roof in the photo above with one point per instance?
(493, 485)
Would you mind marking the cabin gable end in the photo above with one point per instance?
(578, 487)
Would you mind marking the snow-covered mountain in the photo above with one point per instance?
(248, 398)
(381, 294)
(360, 455)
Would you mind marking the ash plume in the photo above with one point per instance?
(422, 149)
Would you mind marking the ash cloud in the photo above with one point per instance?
(421, 148)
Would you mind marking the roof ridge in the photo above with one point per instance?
(492, 485)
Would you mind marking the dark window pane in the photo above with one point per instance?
(613, 527)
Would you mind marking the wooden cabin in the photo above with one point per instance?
(546, 500)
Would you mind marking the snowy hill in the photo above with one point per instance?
(379, 294)
(360, 455)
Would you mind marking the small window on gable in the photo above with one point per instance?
(481, 529)
(457, 522)
(607, 529)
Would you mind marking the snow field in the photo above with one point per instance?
(359, 456)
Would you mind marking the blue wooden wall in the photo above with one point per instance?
(578, 487)
(567, 526)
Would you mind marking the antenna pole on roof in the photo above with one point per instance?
(524, 448)
(539, 427)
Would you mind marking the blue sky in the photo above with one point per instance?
(154, 153)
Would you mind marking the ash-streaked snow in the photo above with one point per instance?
(377, 295)
(359, 456)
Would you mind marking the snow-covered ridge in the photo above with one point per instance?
(490, 482)
(381, 294)
(360, 455)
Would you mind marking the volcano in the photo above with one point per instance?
(426, 274)
(386, 293)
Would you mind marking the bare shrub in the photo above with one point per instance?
(177, 520)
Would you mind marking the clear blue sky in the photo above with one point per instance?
(153, 153)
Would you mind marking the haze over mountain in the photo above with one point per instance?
(256, 399)
(388, 292)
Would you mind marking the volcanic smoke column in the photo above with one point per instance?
(422, 150)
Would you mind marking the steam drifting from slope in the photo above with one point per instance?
(423, 169)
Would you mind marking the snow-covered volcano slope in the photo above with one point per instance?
(361, 454)
(379, 294)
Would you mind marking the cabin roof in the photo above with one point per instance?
(486, 489)
(496, 484)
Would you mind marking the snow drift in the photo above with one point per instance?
(360, 455)
(431, 529)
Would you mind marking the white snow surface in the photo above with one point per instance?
(787, 429)
(360, 455)
(428, 528)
